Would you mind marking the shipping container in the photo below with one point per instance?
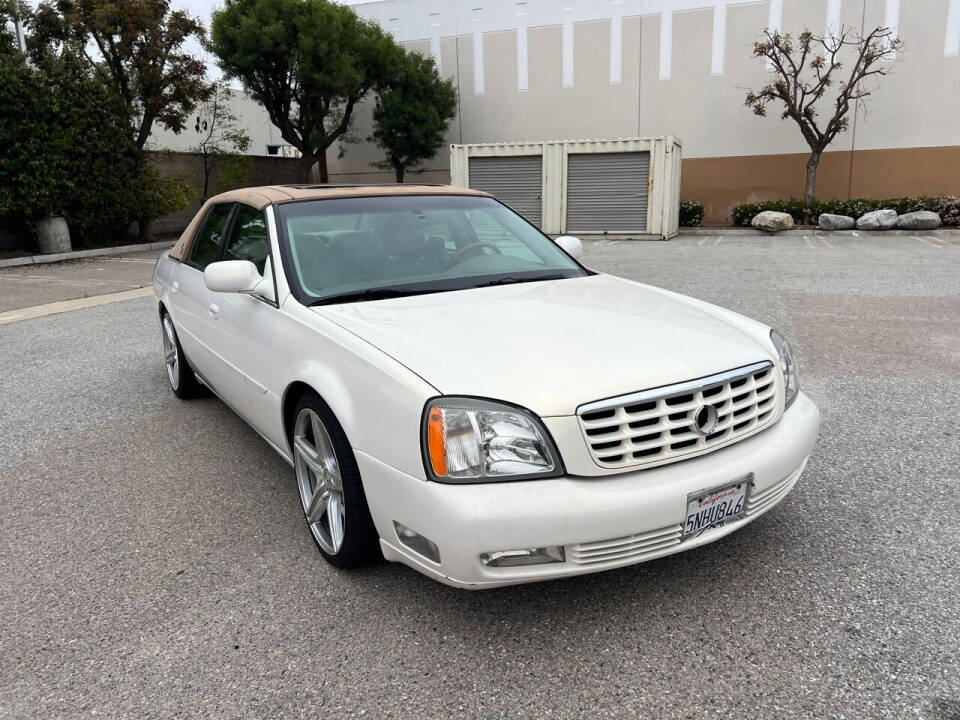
(620, 189)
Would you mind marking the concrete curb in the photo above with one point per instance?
(77, 254)
(813, 232)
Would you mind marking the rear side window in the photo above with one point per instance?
(208, 241)
(248, 240)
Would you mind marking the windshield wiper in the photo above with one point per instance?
(513, 280)
(372, 294)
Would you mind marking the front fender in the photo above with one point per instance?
(378, 401)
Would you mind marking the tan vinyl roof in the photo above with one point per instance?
(261, 197)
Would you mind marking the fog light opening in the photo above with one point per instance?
(417, 542)
(530, 556)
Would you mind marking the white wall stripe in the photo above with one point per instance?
(775, 18)
(666, 44)
(568, 53)
(522, 72)
(891, 19)
(951, 45)
(435, 52)
(616, 48)
(478, 86)
(833, 16)
(719, 36)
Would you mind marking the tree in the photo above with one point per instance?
(804, 73)
(308, 62)
(221, 140)
(412, 114)
(140, 54)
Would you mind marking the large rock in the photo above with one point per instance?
(919, 220)
(772, 221)
(828, 221)
(878, 220)
(53, 235)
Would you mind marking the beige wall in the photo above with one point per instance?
(918, 106)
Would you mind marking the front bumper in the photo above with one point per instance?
(603, 522)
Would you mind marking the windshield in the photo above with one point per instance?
(367, 248)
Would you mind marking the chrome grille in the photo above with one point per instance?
(658, 426)
(631, 547)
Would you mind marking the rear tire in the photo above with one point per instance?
(182, 379)
(330, 488)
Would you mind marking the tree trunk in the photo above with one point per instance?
(324, 177)
(399, 169)
(812, 164)
(304, 164)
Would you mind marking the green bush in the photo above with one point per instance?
(948, 208)
(691, 213)
(69, 150)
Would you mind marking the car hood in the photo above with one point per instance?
(554, 345)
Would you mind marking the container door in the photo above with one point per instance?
(607, 192)
(516, 180)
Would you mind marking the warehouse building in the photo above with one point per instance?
(543, 70)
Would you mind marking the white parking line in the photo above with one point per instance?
(856, 234)
(130, 260)
(67, 305)
(717, 241)
(703, 241)
(825, 242)
(938, 240)
(809, 244)
(926, 242)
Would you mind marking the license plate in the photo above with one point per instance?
(712, 508)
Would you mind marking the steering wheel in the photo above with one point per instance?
(457, 256)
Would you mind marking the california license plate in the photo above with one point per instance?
(714, 508)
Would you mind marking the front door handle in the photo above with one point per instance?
(213, 309)
(175, 287)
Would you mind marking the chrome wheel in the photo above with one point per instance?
(319, 481)
(171, 357)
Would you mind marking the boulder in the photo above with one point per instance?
(878, 220)
(772, 221)
(919, 220)
(829, 221)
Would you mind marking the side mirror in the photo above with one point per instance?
(571, 244)
(231, 276)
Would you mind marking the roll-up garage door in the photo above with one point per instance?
(607, 192)
(516, 180)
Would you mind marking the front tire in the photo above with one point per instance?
(183, 382)
(331, 491)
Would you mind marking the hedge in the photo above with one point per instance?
(948, 208)
(691, 213)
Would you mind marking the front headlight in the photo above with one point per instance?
(472, 440)
(788, 366)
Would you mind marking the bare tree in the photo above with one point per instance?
(804, 73)
(222, 141)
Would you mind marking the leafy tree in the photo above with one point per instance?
(68, 149)
(139, 52)
(221, 140)
(308, 62)
(804, 73)
(412, 114)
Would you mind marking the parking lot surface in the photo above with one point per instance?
(154, 562)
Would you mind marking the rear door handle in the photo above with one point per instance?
(213, 309)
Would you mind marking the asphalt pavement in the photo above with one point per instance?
(154, 562)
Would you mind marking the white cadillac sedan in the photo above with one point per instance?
(456, 392)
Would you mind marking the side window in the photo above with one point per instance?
(207, 243)
(249, 239)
